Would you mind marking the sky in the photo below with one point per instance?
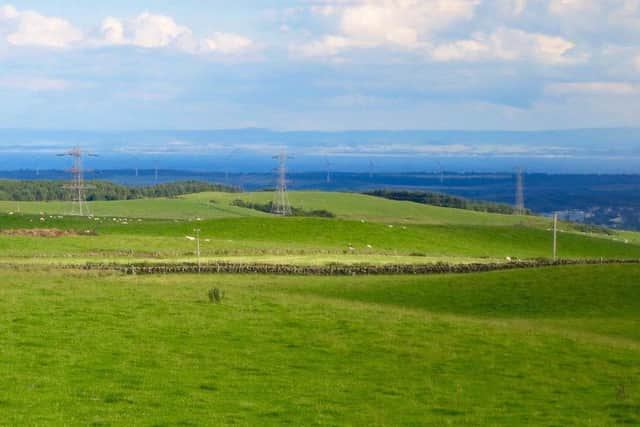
(320, 64)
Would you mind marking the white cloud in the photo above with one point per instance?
(227, 43)
(507, 44)
(423, 26)
(29, 28)
(573, 7)
(329, 46)
(112, 31)
(159, 31)
(398, 23)
(513, 7)
(145, 30)
(593, 88)
(35, 84)
(610, 18)
(325, 9)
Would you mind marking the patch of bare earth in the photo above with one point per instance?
(46, 232)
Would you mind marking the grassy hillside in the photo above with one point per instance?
(358, 207)
(368, 229)
(560, 296)
(552, 347)
(297, 236)
(347, 206)
(218, 205)
(144, 208)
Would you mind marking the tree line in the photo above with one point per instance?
(268, 208)
(46, 191)
(444, 200)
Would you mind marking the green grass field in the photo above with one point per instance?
(361, 220)
(188, 209)
(331, 239)
(350, 206)
(555, 346)
(357, 207)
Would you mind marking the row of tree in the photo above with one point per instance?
(45, 191)
(444, 200)
(268, 208)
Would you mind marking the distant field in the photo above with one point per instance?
(349, 206)
(367, 229)
(358, 207)
(218, 205)
(331, 239)
(539, 347)
(143, 208)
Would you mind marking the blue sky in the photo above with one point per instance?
(320, 64)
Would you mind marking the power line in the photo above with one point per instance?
(281, 205)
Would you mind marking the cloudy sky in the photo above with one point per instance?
(320, 64)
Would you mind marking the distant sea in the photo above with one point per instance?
(252, 150)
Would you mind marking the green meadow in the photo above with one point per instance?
(557, 346)
(358, 207)
(366, 229)
(271, 236)
(183, 208)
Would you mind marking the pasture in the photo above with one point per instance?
(552, 346)
(306, 240)
(556, 346)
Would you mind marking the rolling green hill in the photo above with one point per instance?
(142, 208)
(219, 205)
(553, 346)
(358, 207)
(367, 229)
(538, 347)
(330, 238)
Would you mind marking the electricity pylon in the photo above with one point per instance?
(136, 168)
(77, 187)
(227, 164)
(520, 208)
(328, 165)
(440, 172)
(155, 176)
(281, 205)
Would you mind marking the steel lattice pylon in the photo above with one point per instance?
(520, 208)
(281, 205)
(78, 187)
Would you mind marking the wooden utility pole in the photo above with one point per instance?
(555, 236)
(197, 230)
